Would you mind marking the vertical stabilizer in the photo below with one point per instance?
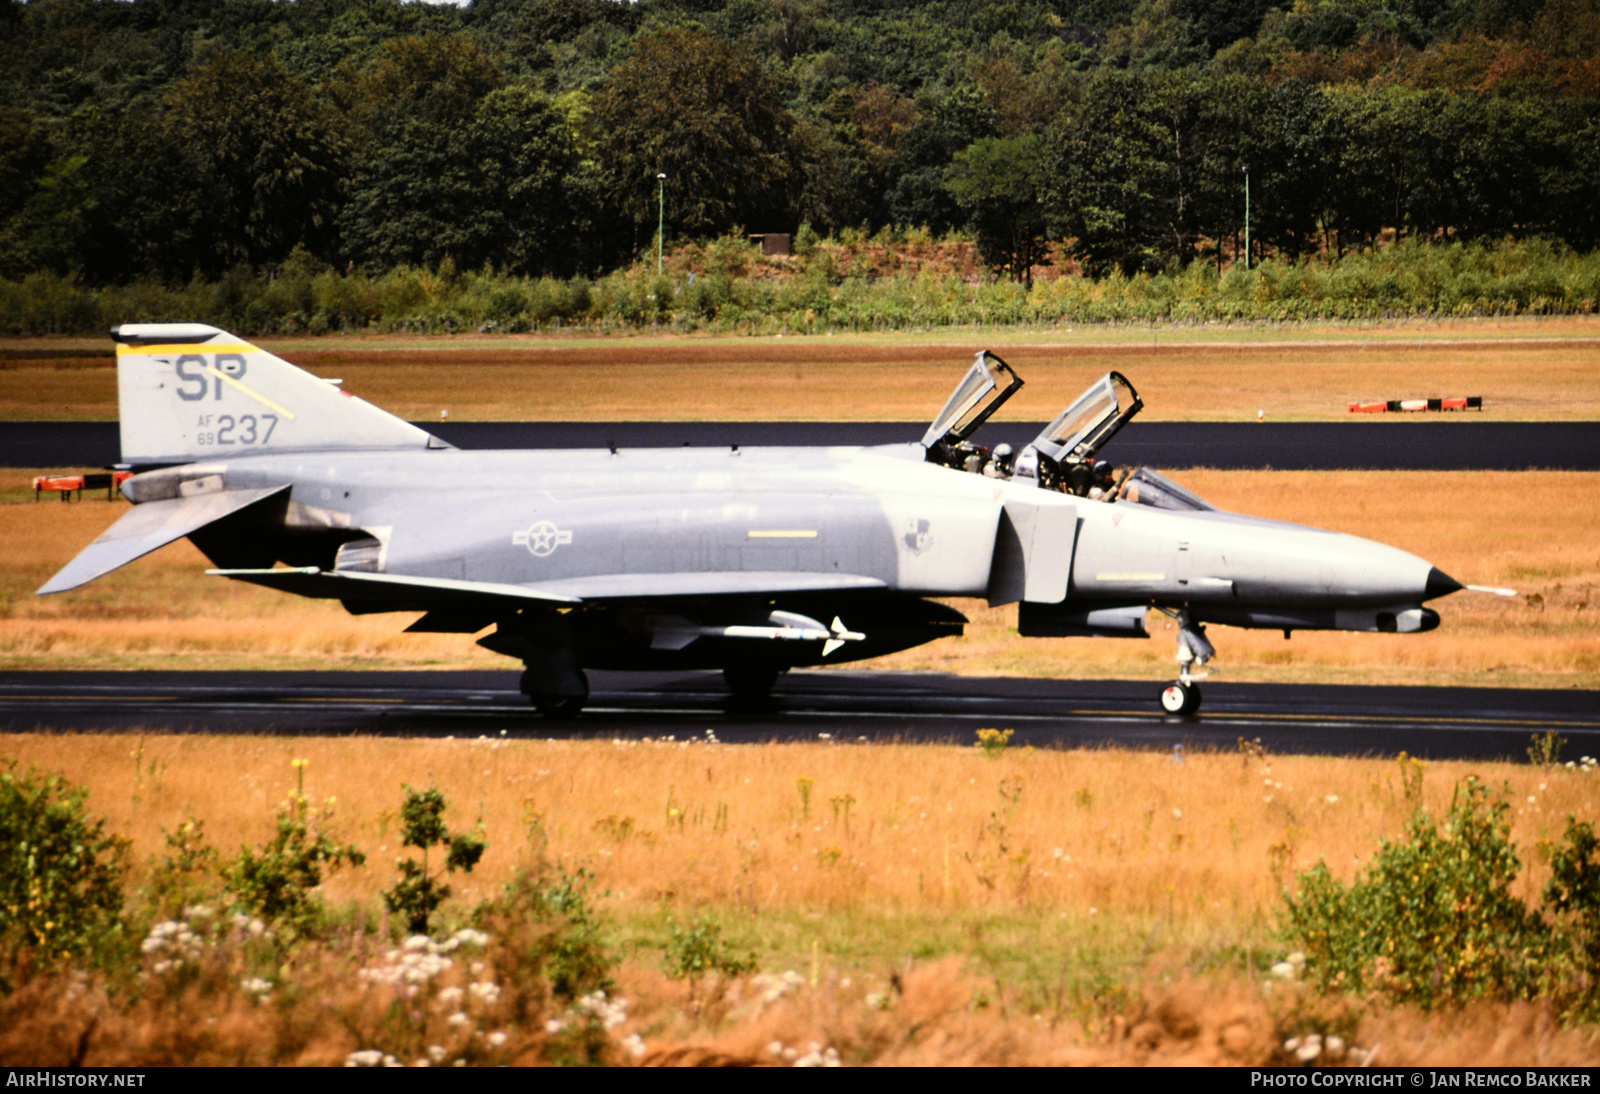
(186, 391)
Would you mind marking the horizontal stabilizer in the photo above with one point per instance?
(422, 592)
(145, 527)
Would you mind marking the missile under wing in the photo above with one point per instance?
(751, 560)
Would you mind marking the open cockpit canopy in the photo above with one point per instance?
(974, 400)
(1090, 421)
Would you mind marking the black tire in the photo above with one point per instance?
(557, 707)
(1180, 698)
(751, 681)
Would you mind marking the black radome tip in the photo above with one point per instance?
(1440, 584)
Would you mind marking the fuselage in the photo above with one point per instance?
(563, 520)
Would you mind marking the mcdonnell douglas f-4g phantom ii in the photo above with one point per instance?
(746, 560)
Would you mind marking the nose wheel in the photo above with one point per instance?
(1194, 651)
(1180, 697)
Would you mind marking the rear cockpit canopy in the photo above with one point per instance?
(1089, 421)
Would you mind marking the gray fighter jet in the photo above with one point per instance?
(749, 560)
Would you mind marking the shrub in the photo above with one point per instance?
(701, 949)
(187, 871)
(566, 947)
(60, 871)
(279, 881)
(1573, 893)
(420, 891)
(1432, 918)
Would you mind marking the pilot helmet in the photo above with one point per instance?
(1001, 451)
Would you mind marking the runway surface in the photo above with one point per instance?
(841, 706)
(1454, 444)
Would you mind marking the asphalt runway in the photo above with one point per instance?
(1454, 444)
(841, 706)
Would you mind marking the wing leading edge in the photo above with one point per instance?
(420, 593)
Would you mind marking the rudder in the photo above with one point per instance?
(187, 391)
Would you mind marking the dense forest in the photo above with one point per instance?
(163, 141)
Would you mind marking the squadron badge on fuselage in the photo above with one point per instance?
(917, 536)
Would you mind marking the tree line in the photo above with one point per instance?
(172, 139)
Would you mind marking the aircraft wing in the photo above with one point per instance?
(154, 524)
(420, 593)
(413, 593)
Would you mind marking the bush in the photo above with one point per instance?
(279, 881)
(565, 948)
(60, 871)
(1432, 918)
(1573, 893)
(420, 891)
(701, 949)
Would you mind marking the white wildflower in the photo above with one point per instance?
(497, 1038)
(367, 1057)
(633, 1045)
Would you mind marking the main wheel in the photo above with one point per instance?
(559, 706)
(751, 681)
(1180, 698)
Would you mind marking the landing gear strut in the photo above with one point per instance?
(1194, 650)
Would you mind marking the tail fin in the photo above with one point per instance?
(187, 391)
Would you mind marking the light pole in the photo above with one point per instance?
(1247, 218)
(661, 216)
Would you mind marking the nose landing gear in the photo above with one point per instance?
(1194, 650)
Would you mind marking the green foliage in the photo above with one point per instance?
(1573, 892)
(699, 949)
(279, 880)
(60, 871)
(699, 109)
(1431, 919)
(994, 741)
(420, 891)
(188, 871)
(567, 948)
(999, 183)
(1413, 279)
(1544, 750)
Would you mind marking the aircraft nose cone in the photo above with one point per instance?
(1440, 584)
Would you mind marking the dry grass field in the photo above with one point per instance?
(1530, 370)
(1537, 533)
(1036, 906)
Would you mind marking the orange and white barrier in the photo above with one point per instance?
(1396, 406)
(66, 484)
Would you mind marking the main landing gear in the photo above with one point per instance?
(751, 682)
(558, 687)
(1194, 650)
